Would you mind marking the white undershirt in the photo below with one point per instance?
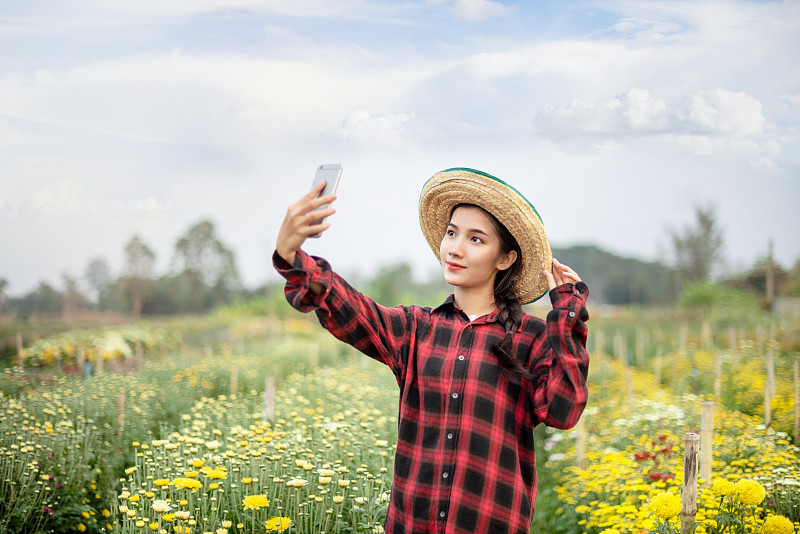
(473, 317)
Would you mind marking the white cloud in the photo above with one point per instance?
(63, 201)
(633, 111)
(719, 111)
(150, 206)
(479, 9)
(705, 122)
(363, 126)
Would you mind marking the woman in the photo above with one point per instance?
(476, 374)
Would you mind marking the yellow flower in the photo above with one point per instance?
(216, 473)
(722, 487)
(777, 524)
(190, 474)
(749, 491)
(338, 499)
(254, 502)
(278, 524)
(153, 525)
(665, 505)
(81, 527)
(610, 531)
(190, 483)
(247, 480)
(161, 482)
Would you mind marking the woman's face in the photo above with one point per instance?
(470, 250)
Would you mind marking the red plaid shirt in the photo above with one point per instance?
(465, 459)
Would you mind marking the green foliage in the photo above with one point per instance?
(707, 296)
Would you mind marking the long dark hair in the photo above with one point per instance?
(507, 302)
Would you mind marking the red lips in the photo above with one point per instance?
(454, 266)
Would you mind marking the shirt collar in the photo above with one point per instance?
(450, 303)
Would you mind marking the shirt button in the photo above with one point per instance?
(572, 314)
(444, 475)
(454, 395)
(449, 435)
(441, 514)
(460, 356)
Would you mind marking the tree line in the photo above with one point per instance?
(203, 276)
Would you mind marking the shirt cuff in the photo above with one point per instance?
(561, 295)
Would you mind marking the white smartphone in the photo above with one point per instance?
(329, 173)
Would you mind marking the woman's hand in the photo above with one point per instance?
(297, 225)
(562, 274)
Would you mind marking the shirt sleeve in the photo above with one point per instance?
(379, 332)
(559, 391)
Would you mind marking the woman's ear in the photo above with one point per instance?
(506, 260)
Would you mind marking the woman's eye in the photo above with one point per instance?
(450, 233)
(477, 239)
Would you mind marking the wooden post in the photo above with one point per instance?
(689, 508)
(796, 406)
(770, 371)
(580, 444)
(81, 359)
(683, 337)
(706, 339)
(640, 343)
(120, 412)
(717, 376)
(234, 380)
(269, 399)
(657, 363)
(767, 406)
(706, 441)
(19, 349)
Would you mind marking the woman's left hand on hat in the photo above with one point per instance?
(562, 274)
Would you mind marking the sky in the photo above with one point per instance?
(615, 118)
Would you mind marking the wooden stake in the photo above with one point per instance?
(640, 343)
(19, 349)
(234, 380)
(689, 508)
(580, 444)
(706, 441)
(767, 406)
(269, 399)
(796, 406)
(770, 371)
(657, 363)
(705, 336)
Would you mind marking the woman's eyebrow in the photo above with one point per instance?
(472, 230)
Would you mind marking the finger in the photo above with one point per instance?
(312, 216)
(316, 229)
(551, 282)
(314, 203)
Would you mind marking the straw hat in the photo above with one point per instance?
(451, 187)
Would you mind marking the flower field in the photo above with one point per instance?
(186, 444)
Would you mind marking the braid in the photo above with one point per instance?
(511, 317)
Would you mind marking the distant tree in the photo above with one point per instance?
(71, 297)
(98, 276)
(3, 286)
(43, 299)
(139, 263)
(393, 284)
(698, 248)
(202, 258)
